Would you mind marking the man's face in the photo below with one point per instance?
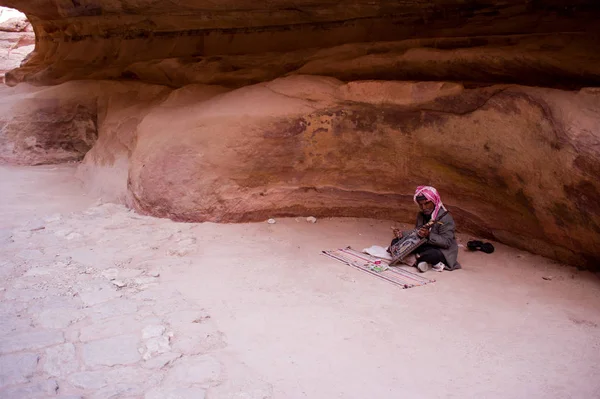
(426, 206)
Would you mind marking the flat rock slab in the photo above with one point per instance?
(108, 328)
(117, 307)
(18, 368)
(61, 360)
(34, 390)
(30, 341)
(120, 350)
(58, 318)
(123, 376)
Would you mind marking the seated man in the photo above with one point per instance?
(441, 249)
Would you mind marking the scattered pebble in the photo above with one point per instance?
(271, 221)
(119, 283)
(548, 277)
(311, 219)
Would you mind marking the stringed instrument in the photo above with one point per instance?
(411, 241)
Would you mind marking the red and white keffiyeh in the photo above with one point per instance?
(432, 195)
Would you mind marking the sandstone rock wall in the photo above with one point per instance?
(236, 43)
(518, 164)
(376, 98)
(42, 126)
(514, 163)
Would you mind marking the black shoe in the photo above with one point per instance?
(475, 245)
(487, 247)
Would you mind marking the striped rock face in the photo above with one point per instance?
(235, 43)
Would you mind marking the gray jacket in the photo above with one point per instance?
(442, 235)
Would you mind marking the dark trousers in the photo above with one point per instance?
(430, 254)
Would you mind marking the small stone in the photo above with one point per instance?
(120, 350)
(548, 278)
(119, 283)
(73, 236)
(154, 273)
(201, 319)
(155, 346)
(202, 369)
(30, 341)
(61, 360)
(271, 221)
(311, 219)
(18, 368)
(176, 393)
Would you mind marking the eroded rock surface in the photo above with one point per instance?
(60, 124)
(46, 126)
(517, 164)
(237, 43)
(520, 164)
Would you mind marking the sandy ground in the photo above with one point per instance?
(99, 302)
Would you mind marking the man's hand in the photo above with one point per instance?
(397, 232)
(423, 232)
